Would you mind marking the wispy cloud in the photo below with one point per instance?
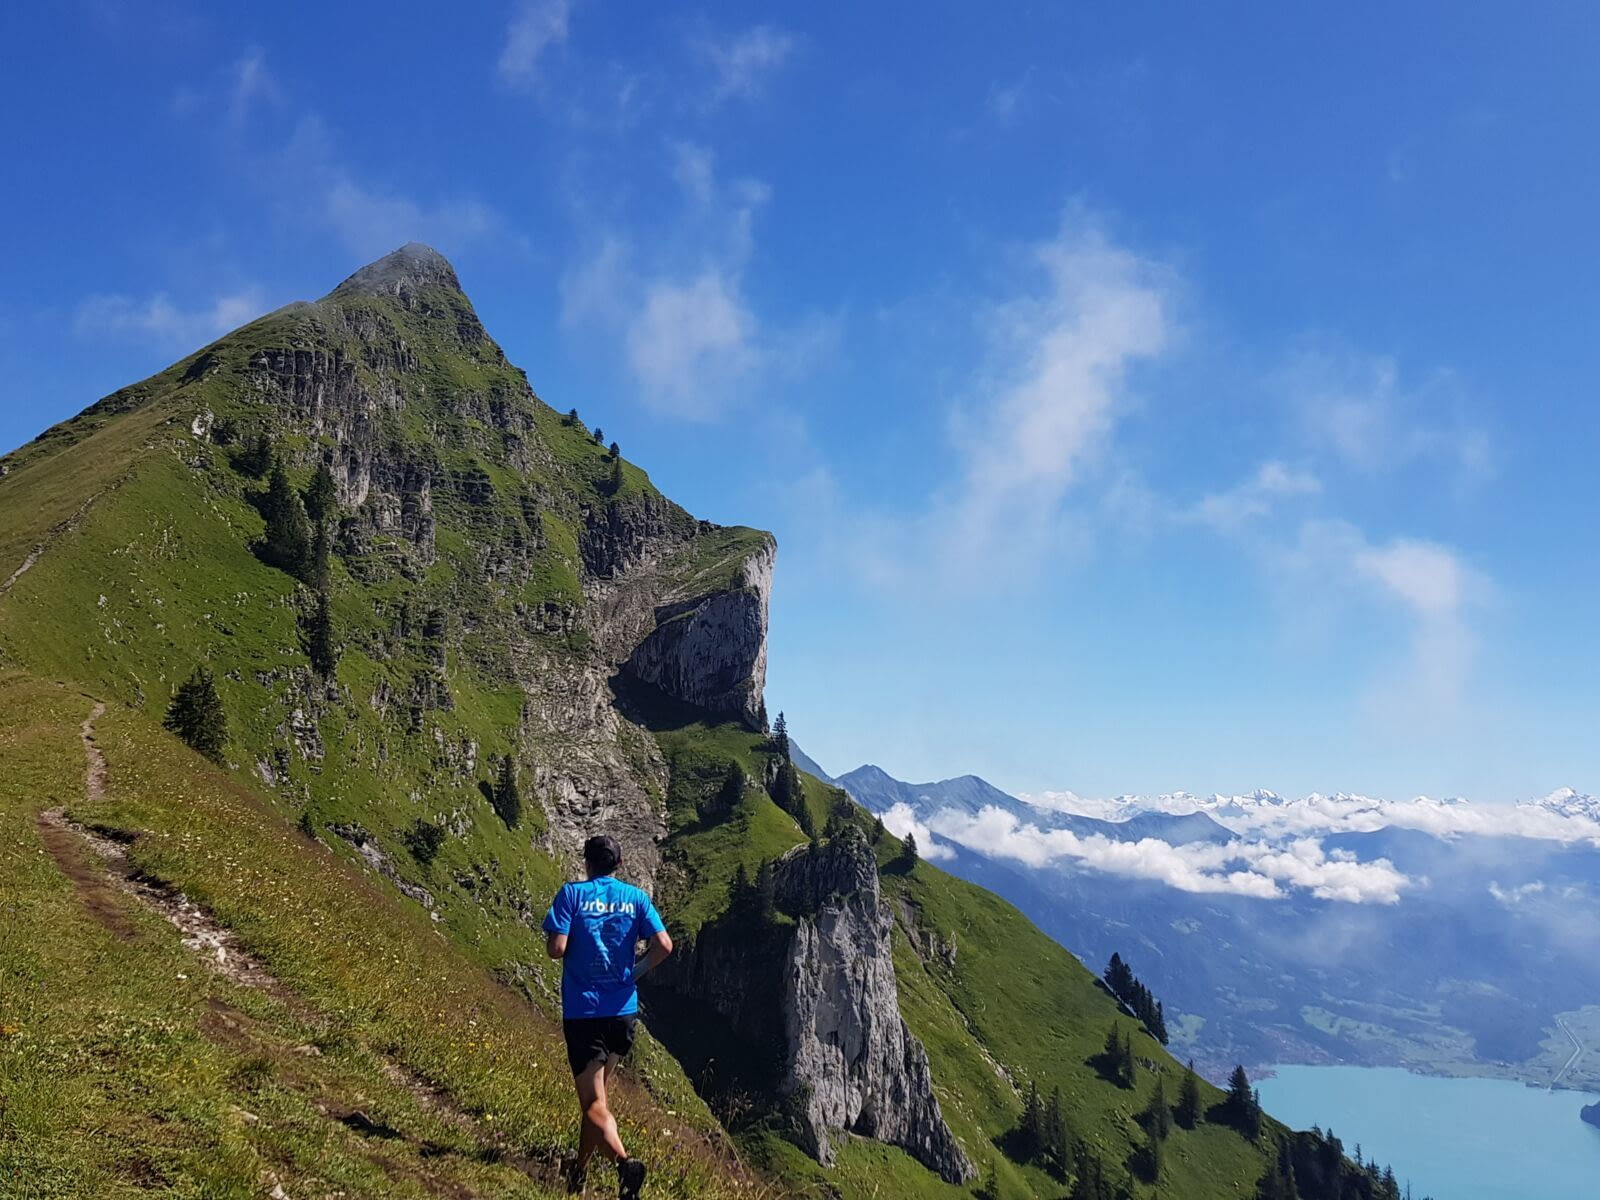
(741, 63)
(691, 338)
(1332, 564)
(1359, 408)
(160, 321)
(1240, 868)
(252, 84)
(1005, 100)
(535, 26)
(1257, 496)
(369, 218)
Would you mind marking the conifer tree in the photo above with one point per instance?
(1158, 1117)
(908, 852)
(1244, 1108)
(616, 478)
(320, 645)
(320, 576)
(196, 715)
(877, 829)
(1150, 1156)
(424, 839)
(615, 451)
(1032, 1124)
(1128, 1064)
(286, 542)
(780, 737)
(766, 891)
(572, 416)
(1188, 1110)
(507, 797)
(740, 892)
(256, 456)
(732, 790)
(1056, 1139)
(599, 436)
(321, 497)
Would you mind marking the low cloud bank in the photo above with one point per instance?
(901, 819)
(1239, 868)
(1561, 817)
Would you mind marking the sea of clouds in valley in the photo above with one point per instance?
(1277, 848)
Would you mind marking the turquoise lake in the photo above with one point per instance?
(1454, 1139)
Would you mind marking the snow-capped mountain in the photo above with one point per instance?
(1569, 802)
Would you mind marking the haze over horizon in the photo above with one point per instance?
(1136, 411)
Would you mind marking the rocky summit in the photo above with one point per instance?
(321, 652)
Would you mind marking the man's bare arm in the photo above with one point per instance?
(660, 948)
(556, 945)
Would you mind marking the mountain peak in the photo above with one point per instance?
(401, 272)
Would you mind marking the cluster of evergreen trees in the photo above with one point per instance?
(1313, 1166)
(1116, 1062)
(298, 539)
(1136, 998)
(753, 900)
(787, 791)
(612, 483)
(1042, 1137)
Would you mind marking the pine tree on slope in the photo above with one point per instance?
(196, 715)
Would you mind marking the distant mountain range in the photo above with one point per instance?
(1439, 935)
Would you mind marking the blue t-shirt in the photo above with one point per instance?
(604, 920)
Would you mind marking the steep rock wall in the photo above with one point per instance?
(821, 995)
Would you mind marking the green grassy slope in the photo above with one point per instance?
(127, 1065)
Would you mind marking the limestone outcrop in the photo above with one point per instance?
(823, 991)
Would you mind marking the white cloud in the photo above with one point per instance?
(901, 819)
(1428, 577)
(252, 84)
(742, 63)
(160, 320)
(1256, 497)
(1358, 408)
(535, 26)
(1513, 896)
(690, 336)
(1238, 868)
(1004, 100)
(367, 218)
(371, 221)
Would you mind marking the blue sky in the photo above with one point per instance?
(1143, 400)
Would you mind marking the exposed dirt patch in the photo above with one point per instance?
(94, 780)
(95, 892)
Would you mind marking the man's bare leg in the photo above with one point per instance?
(599, 1129)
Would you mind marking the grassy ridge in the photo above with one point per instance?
(125, 1063)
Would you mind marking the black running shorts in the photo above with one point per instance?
(595, 1039)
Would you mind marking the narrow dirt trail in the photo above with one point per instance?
(106, 880)
(50, 538)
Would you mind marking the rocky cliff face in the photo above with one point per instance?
(852, 1060)
(823, 990)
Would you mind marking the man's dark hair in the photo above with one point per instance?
(601, 854)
